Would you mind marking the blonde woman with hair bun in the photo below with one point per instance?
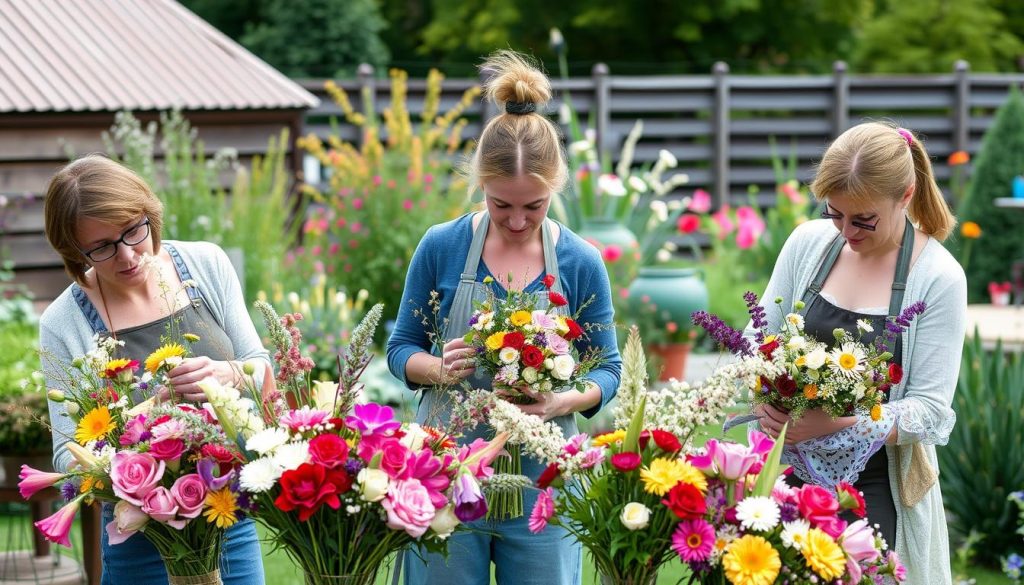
(517, 168)
(876, 253)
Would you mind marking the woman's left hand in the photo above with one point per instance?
(546, 405)
(185, 377)
(812, 424)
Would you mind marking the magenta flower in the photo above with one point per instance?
(626, 461)
(189, 493)
(591, 457)
(33, 480)
(134, 431)
(57, 527)
(372, 418)
(700, 202)
(479, 466)
(704, 460)
(724, 222)
(167, 449)
(427, 468)
(899, 572)
(575, 443)
(611, 253)
(469, 500)
(133, 475)
(543, 510)
(693, 540)
(733, 460)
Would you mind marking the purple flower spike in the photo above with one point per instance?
(726, 336)
(372, 418)
(205, 468)
(757, 313)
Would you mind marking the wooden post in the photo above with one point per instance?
(961, 106)
(602, 117)
(367, 96)
(840, 99)
(720, 129)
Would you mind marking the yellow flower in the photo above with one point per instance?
(823, 555)
(800, 361)
(663, 474)
(114, 367)
(94, 425)
(495, 340)
(876, 412)
(520, 318)
(751, 560)
(158, 357)
(191, 337)
(811, 391)
(606, 439)
(221, 508)
(90, 483)
(970, 230)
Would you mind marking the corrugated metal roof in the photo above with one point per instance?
(109, 55)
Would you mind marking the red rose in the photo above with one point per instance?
(851, 499)
(817, 504)
(328, 450)
(574, 329)
(768, 348)
(685, 501)
(666, 441)
(548, 476)
(688, 223)
(549, 280)
(557, 299)
(895, 373)
(532, 356)
(626, 461)
(310, 486)
(786, 386)
(515, 340)
(218, 452)
(167, 450)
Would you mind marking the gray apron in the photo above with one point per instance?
(435, 406)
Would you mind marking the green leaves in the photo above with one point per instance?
(770, 471)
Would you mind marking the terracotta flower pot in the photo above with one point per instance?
(673, 359)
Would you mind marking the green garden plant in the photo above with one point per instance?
(984, 459)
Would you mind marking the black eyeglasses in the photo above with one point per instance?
(857, 224)
(132, 236)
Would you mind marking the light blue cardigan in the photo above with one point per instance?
(65, 333)
(932, 349)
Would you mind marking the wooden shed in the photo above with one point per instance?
(66, 68)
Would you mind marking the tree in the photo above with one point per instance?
(924, 36)
(1000, 160)
(318, 38)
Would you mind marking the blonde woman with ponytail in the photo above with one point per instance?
(518, 167)
(875, 255)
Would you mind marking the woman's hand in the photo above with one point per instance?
(184, 378)
(458, 362)
(546, 405)
(812, 424)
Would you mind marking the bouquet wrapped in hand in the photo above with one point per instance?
(169, 469)
(525, 347)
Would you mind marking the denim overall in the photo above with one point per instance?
(136, 561)
(520, 558)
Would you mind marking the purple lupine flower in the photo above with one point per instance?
(68, 491)
(757, 313)
(726, 336)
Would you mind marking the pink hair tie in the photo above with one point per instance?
(906, 136)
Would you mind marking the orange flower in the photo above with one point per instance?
(811, 391)
(958, 158)
(970, 230)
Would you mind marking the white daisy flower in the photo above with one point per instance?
(796, 320)
(508, 355)
(847, 360)
(758, 513)
(292, 455)
(259, 476)
(267, 440)
(865, 325)
(794, 533)
(797, 342)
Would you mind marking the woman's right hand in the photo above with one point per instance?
(457, 362)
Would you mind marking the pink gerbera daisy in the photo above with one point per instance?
(303, 420)
(693, 540)
(543, 510)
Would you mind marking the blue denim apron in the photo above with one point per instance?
(520, 558)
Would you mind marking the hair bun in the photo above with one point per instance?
(515, 82)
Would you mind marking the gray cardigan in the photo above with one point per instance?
(65, 332)
(932, 349)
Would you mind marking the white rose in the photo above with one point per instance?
(508, 355)
(530, 375)
(546, 386)
(635, 516)
(373, 484)
(414, 437)
(563, 367)
(815, 359)
(324, 393)
(444, 522)
(549, 363)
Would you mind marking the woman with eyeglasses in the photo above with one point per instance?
(876, 251)
(104, 221)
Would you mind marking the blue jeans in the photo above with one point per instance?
(136, 562)
(520, 557)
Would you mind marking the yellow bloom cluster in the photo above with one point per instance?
(663, 474)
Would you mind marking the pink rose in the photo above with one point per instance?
(189, 492)
(167, 449)
(394, 458)
(133, 475)
(409, 507)
(161, 506)
(128, 519)
(820, 506)
(557, 344)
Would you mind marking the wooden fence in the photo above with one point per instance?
(721, 127)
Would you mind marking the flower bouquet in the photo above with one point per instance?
(851, 376)
(338, 485)
(638, 497)
(168, 468)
